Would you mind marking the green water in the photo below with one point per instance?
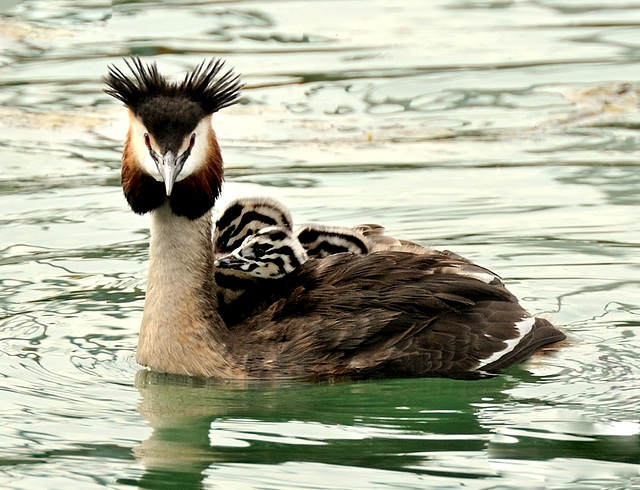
(505, 131)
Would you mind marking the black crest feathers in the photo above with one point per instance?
(200, 86)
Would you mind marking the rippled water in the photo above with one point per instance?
(504, 130)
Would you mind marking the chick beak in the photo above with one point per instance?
(230, 261)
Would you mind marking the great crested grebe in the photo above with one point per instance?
(379, 314)
(244, 278)
(251, 223)
(275, 251)
(240, 219)
(270, 254)
(245, 216)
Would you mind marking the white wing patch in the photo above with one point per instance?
(523, 327)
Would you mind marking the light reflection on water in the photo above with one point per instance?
(505, 131)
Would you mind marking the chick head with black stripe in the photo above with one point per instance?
(244, 217)
(271, 253)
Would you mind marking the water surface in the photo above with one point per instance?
(506, 131)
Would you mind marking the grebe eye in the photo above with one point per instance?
(192, 141)
(147, 140)
(261, 250)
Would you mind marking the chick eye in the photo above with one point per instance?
(147, 140)
(192, 141)
(260, 250)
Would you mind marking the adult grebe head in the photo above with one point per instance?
(171, 151)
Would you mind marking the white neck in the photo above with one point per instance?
(181, 330)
